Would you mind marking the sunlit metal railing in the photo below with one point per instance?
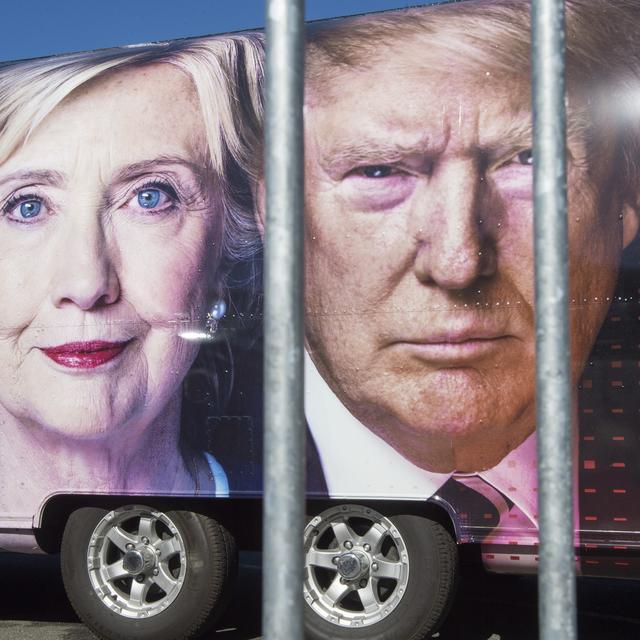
(283, 325)
(556, 578)
(284, 420)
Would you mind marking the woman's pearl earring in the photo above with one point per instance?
(215, 314)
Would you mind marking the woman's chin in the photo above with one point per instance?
(80, 425)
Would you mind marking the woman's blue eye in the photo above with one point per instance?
(149, 198)
(152, 198)
(30, 208)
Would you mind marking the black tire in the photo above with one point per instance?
(418, 600)
(194, 571)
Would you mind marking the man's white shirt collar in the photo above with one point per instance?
(359, 464)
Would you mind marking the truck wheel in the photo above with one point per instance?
(136, 573)
(368, 576)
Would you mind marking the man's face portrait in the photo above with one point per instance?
(419, 248)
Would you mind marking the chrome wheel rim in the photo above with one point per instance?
(356, 566)
(136, 561)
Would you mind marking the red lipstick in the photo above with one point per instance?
(85, 355)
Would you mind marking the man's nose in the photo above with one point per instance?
(84, 270)
(454, 247)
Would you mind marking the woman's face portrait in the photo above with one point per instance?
(110, 235)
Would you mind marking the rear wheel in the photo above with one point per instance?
(137, 573)
(368, 576)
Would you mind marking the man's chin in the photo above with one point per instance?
(447, 447)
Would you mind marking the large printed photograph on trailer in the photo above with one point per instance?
(132, 202)
(420, 332)
(126, 241)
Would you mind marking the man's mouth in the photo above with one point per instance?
(454, 346)
(85, 355)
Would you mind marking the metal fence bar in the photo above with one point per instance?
(283, 324)
(556, 578)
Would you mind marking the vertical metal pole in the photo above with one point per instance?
(283, 324)
(556, 579)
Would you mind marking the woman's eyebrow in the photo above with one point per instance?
(199, 169)
(43, 176)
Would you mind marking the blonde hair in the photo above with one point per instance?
(227, 72)
(602, 56)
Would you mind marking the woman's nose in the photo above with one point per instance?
(454, 248)
(84, 270)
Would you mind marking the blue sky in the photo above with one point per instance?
(33, 28)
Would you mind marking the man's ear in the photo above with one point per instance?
(630, 222)
(260, 206)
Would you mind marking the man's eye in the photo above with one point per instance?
(377, 171)
(525, 157)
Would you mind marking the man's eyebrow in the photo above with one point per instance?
(515, 135)
(357, 152)
(521, 133)
(43, 176)
(350, 153)
(199, 169)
